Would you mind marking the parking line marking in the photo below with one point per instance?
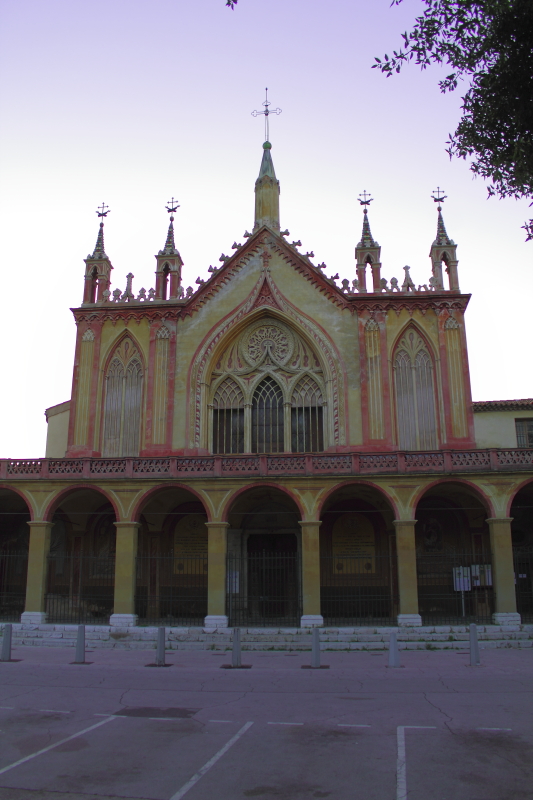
(103, 715)
(344, 725)
(54, 711)
(284, 723)
(212, 761)
(401, 772)
(56, 744)
(494, 729)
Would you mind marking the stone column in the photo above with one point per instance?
(216, 575)
(125, 575)
(503, 579)
(311, 616)
(35, 611)
(407, 580)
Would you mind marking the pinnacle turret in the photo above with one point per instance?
(99, 250)
(442, 239)
(170, 248)
(267, 193)
(366, 235)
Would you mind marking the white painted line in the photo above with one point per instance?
(284, 723)
(56, 744)
(341, 725)
(103, 715)
(401, 771)
(54, 711)
(212, 761)
(494, 729)
(164, 719)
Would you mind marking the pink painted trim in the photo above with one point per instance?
(283, 489)
(138, 508)
(56, 500)
(356, 483)
(481, 496)
(526, 482)
(20, 493)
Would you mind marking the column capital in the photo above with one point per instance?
(36, 523)
(499, 519)
(216, 524)
(127, 525)
(399, 522)
(308, 522)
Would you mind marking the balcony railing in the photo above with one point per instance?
(395, 463)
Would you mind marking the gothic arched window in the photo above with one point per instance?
(228, 418)
(415, 394)
(306, 417)
(123, 402)
(267, 418)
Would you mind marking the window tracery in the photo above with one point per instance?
(122, 405)
(414, 385)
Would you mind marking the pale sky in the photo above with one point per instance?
(131, 102)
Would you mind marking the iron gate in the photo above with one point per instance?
(358, 590)
(80, 589)
(13, 572)
(264, 589)
(523, 574)
(171, 590)
(454, 588)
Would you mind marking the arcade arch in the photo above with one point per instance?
(521, 513)
(14, 544)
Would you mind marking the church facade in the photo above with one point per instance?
(274, 447)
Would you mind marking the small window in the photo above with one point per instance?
(524, 432)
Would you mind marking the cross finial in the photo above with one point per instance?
(103, 210)
(172, 206)
(366, 199)
(438, 196)
(266, 113)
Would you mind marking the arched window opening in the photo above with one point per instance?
(267, 418)
(164, 288)
(123, 401)
(94, 285)
(228, 418)
(307, 417)
(415, 395)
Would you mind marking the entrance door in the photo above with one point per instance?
(263, 583)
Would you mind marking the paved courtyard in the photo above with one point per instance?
(435, 729)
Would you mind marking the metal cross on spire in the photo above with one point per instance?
(172, 206)
(439, 196)
(103, 210)
(266, 113)
(366, 199)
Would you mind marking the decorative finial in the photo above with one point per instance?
(439, 196)
(103, 210)
(172, 206)
(266, 113)
(366, 199)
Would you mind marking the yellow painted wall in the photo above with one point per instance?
(497, 428)
(57, 418)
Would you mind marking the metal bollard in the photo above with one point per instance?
(394, 655)
(6, 642)
(160, 655)
(315, 651)
(80, 645)
(475, 660)
(236, 650)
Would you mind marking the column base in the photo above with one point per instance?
(33, 617)
(409, 620)
(216, 621)
(123, 620)
(311, 621)
(506, 618)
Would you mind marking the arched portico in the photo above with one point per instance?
(521, 514)
(358, 568)
(14, 544)
(264, 556)
(464, 563)
(171, 586)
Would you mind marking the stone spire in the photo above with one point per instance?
(368, 251)
(443, 251)
(366, 235)
(99, 251)
(97, 271)
(442, 238)
(170, 248)
(267, 193)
